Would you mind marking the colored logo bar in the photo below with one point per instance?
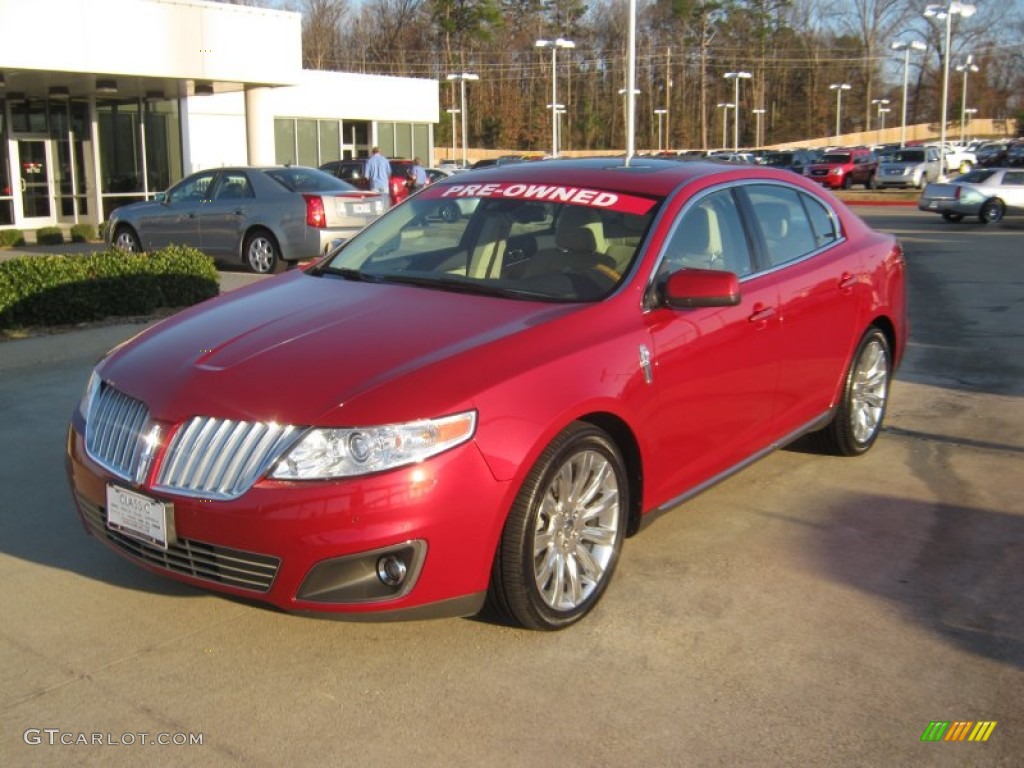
(958, 730)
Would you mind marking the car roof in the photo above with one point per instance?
(644, 175)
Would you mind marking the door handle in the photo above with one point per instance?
(24, 186)
(761, 313)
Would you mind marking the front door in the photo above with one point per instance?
(36, 181)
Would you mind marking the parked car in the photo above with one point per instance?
(432, 416)
(795, 160)
(992, 154)
(908, 167)
(988, 193)
(956, 158)
(264, 218)
(1015, 154)
(842, 168)
(354, 172)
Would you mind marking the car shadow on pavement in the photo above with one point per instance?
(954, 570)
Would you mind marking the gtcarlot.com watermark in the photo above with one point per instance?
(56, 737)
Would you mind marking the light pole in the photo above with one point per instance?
(661, 116)
(946, 13)
(913, 45)
(839, 88)
(966, 67)
(881, 104)
(758, 138)
(970, 112)
(462, 77)
(628, 110)
(554, 45)
(736, 77)
(725, 107)
(453, 112)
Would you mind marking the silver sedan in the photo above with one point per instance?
(264, 218)
(988, 193)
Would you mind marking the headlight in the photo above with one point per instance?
(837, 171)
(90, 392)
(329, 453)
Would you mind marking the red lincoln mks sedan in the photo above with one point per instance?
(443, 414)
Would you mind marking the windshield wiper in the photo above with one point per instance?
(462, 285)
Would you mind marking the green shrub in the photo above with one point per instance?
(50, 236)
(57, 290)
(11, 237)
(83, 233)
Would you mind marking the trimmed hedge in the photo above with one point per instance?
(58, 290)
(50, 236)
(83, 233)
(11, 237)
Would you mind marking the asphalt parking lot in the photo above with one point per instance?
(809, 611)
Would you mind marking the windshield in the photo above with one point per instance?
(519, 241)
(833, 157)
(778, 158)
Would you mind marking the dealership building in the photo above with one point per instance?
(104, 102)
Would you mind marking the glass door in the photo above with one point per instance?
(36, 182)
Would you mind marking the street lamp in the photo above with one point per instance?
(736, 77)
(839, 88)
(661, 116)
(970, 112)
(883, 108)
(725, 107)
(906, 47)
(946, 13)
(967, 66)
(758, 137)
(462, 77)
(554, 45)
(453, 112)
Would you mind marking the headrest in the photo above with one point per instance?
(580, 229)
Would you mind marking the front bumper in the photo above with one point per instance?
(315, 546)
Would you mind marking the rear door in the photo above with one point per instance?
(222, 220)
(821, 287)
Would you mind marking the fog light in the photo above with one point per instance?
(391, 570)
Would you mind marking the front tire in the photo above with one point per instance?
(261, 253)
(449, 211)
(992, 212)
(564, 532)
(126, 240)
(861, 410)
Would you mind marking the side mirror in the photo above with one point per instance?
(692, 288)
(160, 197)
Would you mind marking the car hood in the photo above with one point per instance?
(298, 347)
(903, 165)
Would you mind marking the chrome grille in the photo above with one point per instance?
(223, 565)
(221, 458)
(114, 430)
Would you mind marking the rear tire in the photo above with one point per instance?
(992, 212)
(861, 410)
(261, 253)
(564, 533)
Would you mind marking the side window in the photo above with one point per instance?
(233, 186)
(1013, 178)
(709, 236)
(824, 226)
(783, 222)
(191, 190)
